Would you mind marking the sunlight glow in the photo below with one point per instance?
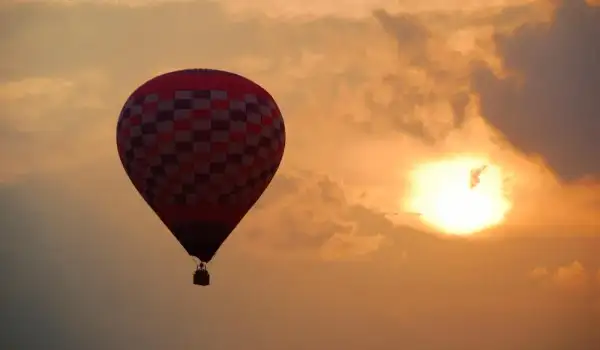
(441, 193)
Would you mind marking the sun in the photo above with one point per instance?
(441, 193)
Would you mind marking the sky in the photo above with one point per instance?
(367, 237)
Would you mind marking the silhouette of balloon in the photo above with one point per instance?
(200, 146)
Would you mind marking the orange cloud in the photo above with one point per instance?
(308, 215)
(367, 96)
(51, 123)
(365, 99)
(358, 8)
(571, 278)
(539, 273)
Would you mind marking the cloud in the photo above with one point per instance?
(547, 104)
(539, 273)
(51, 124)
(17, 90)
(364, 103)
(570, 278)
(365, 99)
(67, 108)
(309, 9)
(358, 8)
(575, 286)
(306, 214)
(426, 92)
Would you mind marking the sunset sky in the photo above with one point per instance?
(369, 237)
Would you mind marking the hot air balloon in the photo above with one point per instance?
(200, 146)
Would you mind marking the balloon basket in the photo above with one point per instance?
(201, 277)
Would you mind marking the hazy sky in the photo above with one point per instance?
(388, 105)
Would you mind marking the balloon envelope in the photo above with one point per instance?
(200, 146)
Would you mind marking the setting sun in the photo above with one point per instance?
(441, 192)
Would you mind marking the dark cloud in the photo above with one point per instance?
(410, 33)
(420, 49)
(411, 37)
(304, 211)
(549, 104)
(459, 104)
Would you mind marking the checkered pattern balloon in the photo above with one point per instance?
(200, 146)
